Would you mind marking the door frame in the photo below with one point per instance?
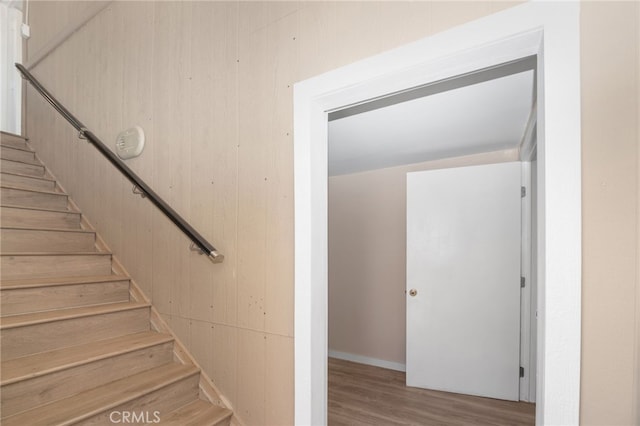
(552, 32)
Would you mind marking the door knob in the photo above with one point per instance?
(413, 292)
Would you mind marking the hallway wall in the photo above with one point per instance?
(367, 257)
(611, 213)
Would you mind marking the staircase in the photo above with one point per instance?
(80, 344)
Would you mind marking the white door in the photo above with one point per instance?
(463, 280)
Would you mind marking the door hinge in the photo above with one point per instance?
(521, 371)
(523, 191)
(522, 281)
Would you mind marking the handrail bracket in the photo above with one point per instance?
(194, 247)
(136, 190)
(82, 133)
(214, 256)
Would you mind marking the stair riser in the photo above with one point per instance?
(25, 300)
(15, 267)
(163, 401)
(27, 182)
(26, 240)
(31, 339)
(25, 218)
(19, 197)
(18, 155)
(21, 168)
(13, 142)
(21, 396)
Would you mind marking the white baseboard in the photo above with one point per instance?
(368, 360)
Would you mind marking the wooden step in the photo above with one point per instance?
(42, 265)
(198, 413)
(37, 365)
(32, 198)
(15, 141)
(46, 377)
(51, 240)
(29, 217)
(27, 182)
(58, 281)
(22, 168)
(42, 294)
(161, 389)
(23, 155)
(37, 332)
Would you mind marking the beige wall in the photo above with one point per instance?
(610, 85)
(637, 375)
(367, 257)
(52, 20)
(211, 83)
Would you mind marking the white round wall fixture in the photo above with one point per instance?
(130, 142)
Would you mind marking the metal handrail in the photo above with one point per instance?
(142, 188)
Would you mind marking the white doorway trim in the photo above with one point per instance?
(549, 30)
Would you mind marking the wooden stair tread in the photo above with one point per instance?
(13, 165)
(98, 400)
(22, 228)
(18, 179)
(25, 149)
(5, 134)
(56, 281)
(27, 176)
(21, 264)
(53, 253)
(197, 413)
(16, 143)
(30, 366)
(42, 209)
(16, 238)
(26, 187)
(11, 215)
(7, 156)
(21, 162)
(22, 154)
(39, 191)
(22, 320)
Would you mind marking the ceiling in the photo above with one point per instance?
(488, 116)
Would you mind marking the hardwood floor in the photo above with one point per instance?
(364, 395)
